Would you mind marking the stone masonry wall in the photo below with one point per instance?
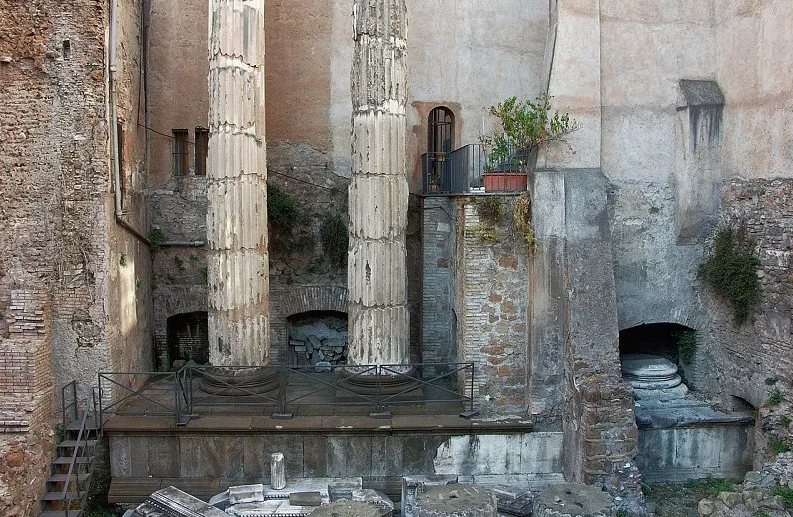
(439, 320)
(755, 360)
(491, 289)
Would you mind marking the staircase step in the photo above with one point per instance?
(71, 444)
(60, 496)
(64, 460)
(61, 478)
(74, 425)
(61, 513)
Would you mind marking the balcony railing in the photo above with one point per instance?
(468, 170)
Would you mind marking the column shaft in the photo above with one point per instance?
(237, 189)
(378, 194)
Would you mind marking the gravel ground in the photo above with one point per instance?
(680, 499)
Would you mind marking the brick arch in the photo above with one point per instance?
(313, 298)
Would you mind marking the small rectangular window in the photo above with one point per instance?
(180, 166)
(201, 147)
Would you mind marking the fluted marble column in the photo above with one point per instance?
(378, 193)
(237, 191)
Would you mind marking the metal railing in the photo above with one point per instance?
(71, 407)
(73, 474)
(283, 390)
(159, 394)
(472, 169)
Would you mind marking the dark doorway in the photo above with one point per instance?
(188, 337)
(440, 144)
(654, 338)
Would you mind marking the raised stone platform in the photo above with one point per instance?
(687, 438)
(209, 454)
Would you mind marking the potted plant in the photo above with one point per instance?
(525, 127)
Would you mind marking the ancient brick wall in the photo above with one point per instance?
(763, 348)
(59, 292)
(492, 300)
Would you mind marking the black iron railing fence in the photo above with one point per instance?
(282, 391)
(473, 168)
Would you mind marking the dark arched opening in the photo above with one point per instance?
(440, 144)
(653, 338)
(188, 337)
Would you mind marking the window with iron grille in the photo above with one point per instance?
(180, 165)
(201, 147)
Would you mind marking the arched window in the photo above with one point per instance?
(440, 144)
(441, 131)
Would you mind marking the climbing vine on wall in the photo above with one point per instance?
(335, 240)
(521, 213)
(283, 213)
(731, 270)
(492, 210)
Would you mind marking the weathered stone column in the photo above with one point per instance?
(237, 175)
(378, 194)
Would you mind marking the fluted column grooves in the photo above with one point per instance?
(378, 193)
(237, 190)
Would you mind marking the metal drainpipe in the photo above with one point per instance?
(114, 132)
(192, 244)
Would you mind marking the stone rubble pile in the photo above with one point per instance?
(755, 496)
(313, 350)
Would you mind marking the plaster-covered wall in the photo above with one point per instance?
(754, 45)
(646, 49)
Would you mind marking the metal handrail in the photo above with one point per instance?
(282, 396)
(73, 462)
(395, 370)
(176, 410)
(72, 405)
(206, 372)
(361, 371)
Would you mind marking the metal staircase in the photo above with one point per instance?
(72, 469)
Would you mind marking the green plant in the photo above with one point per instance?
(785, 493)
(315, 265)
(526, 126)
(521, 214)
(711, 486)
(122, 260)
(156, 239)
(335, 240)
(785, 421)
(622, 512)
(178, 262)
(775, 399)
(779, 446)
(491, 210)
(770, 381)
(732, 273)
(138, 283)
(60, 434)
(283, 212)
(687, 344)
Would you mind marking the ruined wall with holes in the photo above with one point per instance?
(756, 359)
(491, 298)
(59, 292)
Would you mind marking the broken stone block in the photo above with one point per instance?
(323, 367)
(457, 500)
(346, 509)
(246, 494)
(514, 500)
(314, 342)
(305, 498)
(573, 500)
(413, 486)
(277, 471)
(220, 501)
(375, 498)
(341, 490)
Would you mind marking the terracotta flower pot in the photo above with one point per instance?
(505, 181)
